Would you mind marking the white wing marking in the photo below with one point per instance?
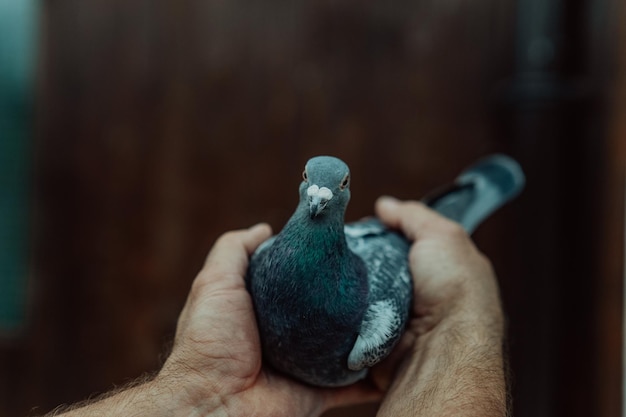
(380, 325)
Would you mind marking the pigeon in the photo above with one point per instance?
(332, 299)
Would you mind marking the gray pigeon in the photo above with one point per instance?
(332, 300)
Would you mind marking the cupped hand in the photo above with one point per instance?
(449, 273)
(216, 359)
(454, 284)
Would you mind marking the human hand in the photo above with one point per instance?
(451, 277)
(215, 364)
(449, 361)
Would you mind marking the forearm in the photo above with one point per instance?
(456, 370)
(158, 397)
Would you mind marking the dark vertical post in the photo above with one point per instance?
(552, 111)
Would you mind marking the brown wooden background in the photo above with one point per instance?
(162, 124)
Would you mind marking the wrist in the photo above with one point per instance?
(159, 396)
(468, 336)
(476, 322)
(459, 358)
(468, 331)
(187, 394)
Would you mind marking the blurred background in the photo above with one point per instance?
(133, 133)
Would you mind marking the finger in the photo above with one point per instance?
(229, 256)
(225, 266)
(415, 219)
(256, 235)
(411, 216)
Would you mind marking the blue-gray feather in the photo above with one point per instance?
(479, 191)
(333, 300)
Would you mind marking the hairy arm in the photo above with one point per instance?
(454, 370)
(145, 396)
(215, 366)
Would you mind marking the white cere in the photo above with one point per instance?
(322, 193)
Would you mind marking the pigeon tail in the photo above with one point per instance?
(479, 191)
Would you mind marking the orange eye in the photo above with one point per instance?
(345, 182)
(305, 176)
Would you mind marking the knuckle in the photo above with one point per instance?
(414, 255)
(486, 262)
(203, 279)
(414, 205)
(228, 237)
(412, 209)
(452, 229)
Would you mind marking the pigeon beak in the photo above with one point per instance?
(316, 205)
(318, 198)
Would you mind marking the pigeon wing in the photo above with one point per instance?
(385, 255)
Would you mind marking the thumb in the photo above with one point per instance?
(231, 251)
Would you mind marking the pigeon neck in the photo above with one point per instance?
(318, 264)
(324, 231)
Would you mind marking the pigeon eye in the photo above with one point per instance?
(345, 182)
(305, 176)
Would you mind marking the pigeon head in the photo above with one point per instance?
(325, 186)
